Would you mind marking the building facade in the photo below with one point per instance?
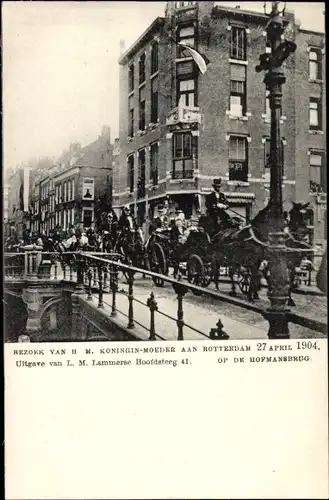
(179, 128)
(76, 189)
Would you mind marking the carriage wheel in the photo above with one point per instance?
(158, 263)
(244, 282)
(196, 272)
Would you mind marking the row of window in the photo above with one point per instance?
(65, 219)
(68, 192)
(153, 118)
(142, 66)
(185, 147)
(141, 163)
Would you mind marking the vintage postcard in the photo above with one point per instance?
(165, 250)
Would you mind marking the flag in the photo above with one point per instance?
(200, 59)
(24, 190)
(21, 193)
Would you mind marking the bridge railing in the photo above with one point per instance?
(101, 273)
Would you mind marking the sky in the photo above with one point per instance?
(60, 68)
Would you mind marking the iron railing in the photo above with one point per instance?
(99, 273)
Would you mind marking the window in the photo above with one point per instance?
(315, 64)
(141, 174)
(238, 43)
(141, 125)
(267, 106)
(131, 118)
(154, 100)
(69, 190)
(154, 164)
(182, 156)
(186, 92)
(317, 173)
(238, 159)
(87, 217)
(130, 173)
(73, 189)
(131, 82)
(65, 191)
(154, 57)
(142, 68)
(60, 193)
(184, 4)
(185, 35)
(315, 113)
(267, 153)
(238, 101)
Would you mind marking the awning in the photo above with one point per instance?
(240, 198)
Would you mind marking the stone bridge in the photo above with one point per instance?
(43, 301)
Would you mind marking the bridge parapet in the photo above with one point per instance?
(103, 276)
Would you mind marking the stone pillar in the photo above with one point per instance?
(33, 301)
(53, 318)
(77, 330)
(33, 258)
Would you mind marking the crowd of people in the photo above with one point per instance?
(104, 237)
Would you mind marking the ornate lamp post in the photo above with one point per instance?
(274, 79)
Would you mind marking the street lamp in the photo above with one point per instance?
(274, 79)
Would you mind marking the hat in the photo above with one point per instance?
(217, 182)
(126, 207)
(179, 211)
(160, 207)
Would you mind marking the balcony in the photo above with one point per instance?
(184, 114)
(182, 174)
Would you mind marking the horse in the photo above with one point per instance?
(298, 221)
(130, 242)
(244, 247)
(297, 247)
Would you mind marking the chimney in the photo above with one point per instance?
(106, 132)
(122, 47)
(75, 147)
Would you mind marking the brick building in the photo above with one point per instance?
(76, 189)
(179, 129)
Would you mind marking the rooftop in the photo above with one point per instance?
(144, 38)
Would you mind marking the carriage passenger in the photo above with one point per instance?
(181, 216)
(178, 233)
(161, 222)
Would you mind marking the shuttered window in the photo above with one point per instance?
(238, 98)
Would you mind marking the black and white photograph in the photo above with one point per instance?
(165, 172)
(165, 250)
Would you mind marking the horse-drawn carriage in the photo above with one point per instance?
(240, 251)
(160, 251)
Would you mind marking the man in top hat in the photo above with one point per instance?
(161, 221)
(127, 221)
(180, 215)
(216, 204)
